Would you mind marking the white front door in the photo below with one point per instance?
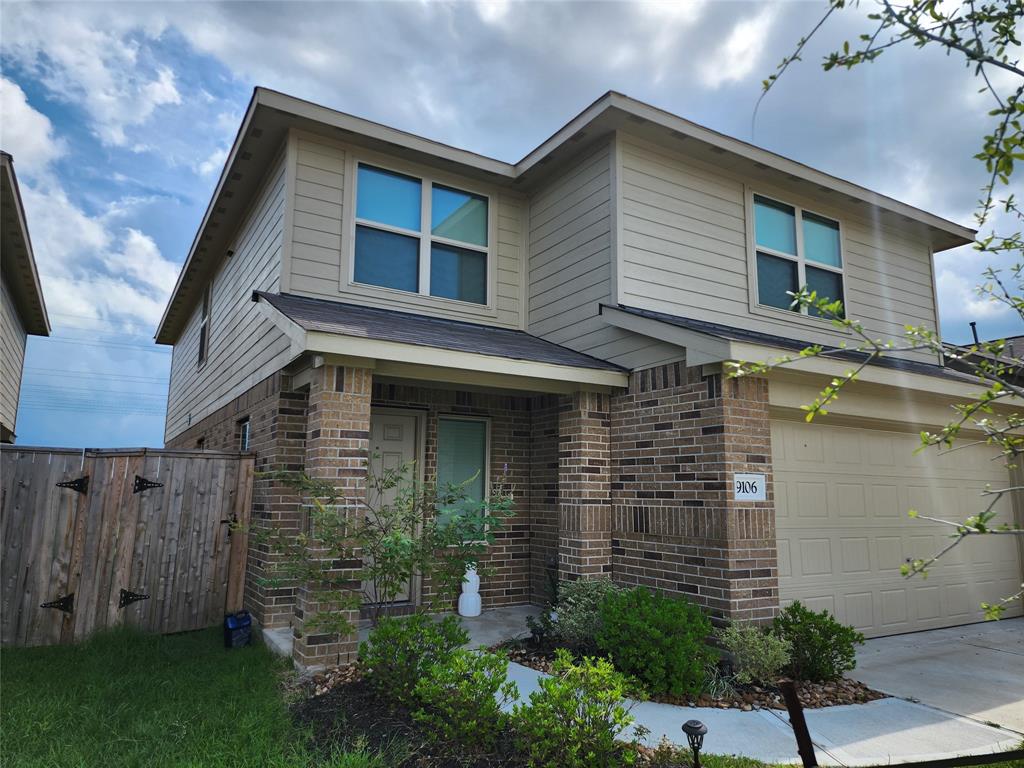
(393, 441)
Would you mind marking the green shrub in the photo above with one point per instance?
(821, 647)
(461, 699)
(657, 639)
(579, 612)
(400, 651)
(758, 656)
(576, 717)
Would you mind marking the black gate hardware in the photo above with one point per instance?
(230, 523)
(81, 484)
(65, 604)
(127, 598)
(142, 484)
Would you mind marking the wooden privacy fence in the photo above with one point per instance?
(139, 537)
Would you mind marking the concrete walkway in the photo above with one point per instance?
(879, 732)
(976, 671)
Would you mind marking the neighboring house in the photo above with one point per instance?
(356, 289)
(22, 309)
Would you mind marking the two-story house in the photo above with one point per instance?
(356, 290)
(22, 308)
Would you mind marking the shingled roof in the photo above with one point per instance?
(732, 333)
(324, 316)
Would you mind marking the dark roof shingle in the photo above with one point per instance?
(782, 342)
(408, 328)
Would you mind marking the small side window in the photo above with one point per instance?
(204, 326)
(243, 434)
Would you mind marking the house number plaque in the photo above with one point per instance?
(749, 487)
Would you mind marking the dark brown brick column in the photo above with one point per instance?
(337, 445)
(584, 483)
(679, 437)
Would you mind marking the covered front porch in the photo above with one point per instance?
(456, 401)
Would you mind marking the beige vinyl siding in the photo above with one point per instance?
(319, 245)
(245, 347)
(12, 357)
(570, 265)
(684, 251)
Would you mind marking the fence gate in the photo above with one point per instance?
(91, 539)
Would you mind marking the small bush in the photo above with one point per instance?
(461, 699)
(657, 639)
(758, 656)
(401, 650)
(576, 717)
(579, 612)
(821, 648)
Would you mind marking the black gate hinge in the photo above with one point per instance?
(142, 484)
(65, 604)
(80, 484)
(127, 598)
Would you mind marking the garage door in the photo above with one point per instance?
(842, 496)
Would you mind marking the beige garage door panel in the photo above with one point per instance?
(841, 499)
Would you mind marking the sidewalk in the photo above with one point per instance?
(876, 733)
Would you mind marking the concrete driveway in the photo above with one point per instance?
(975, 671)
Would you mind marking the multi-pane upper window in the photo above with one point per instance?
(795, 248)
(417, 235)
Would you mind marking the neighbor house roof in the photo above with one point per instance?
(270, 114)
(759, 338)
(326, 316)
(19, 264)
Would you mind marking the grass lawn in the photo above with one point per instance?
(126, 699)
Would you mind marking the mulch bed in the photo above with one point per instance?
(343, 711)
(745, 697)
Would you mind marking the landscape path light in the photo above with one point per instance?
(695, 732)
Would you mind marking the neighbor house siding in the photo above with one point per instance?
(571, 244)
(12, 357)
(319, 247)
(245, 347)
(684, 251)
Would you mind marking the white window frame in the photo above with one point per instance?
(245, 434)
(800, 259)
(487, 446)
(424, 235)
(205, 314)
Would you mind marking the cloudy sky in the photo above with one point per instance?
(119, 117)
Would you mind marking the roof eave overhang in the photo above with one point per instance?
(28, 295)
(167, 331)
(414, 361)
(710, 349)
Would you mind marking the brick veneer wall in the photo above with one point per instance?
(337, 444)
(510, 430)
(277, 435)
(677, 438)
(543, 497)
(584, 482)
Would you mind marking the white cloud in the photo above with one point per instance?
(213, 163)
(25, 133)
(94, 60)
(737, 57)
(90, 265)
